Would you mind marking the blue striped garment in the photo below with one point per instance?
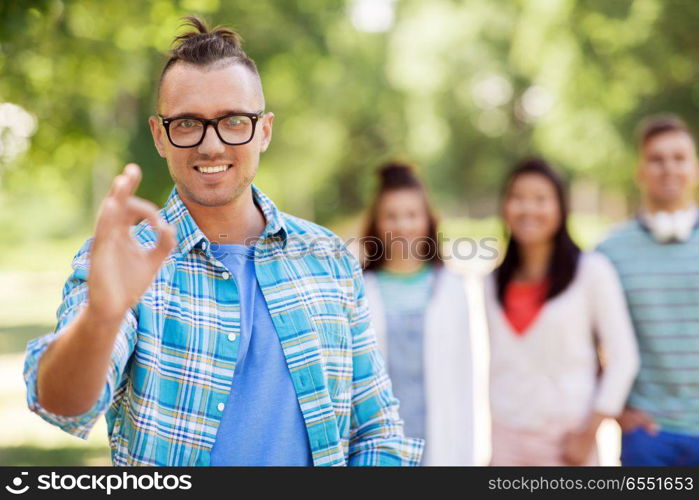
(173, 360)
(661, 284)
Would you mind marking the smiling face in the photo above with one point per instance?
(667, 172)
(211, 92)
(531, 210)
(402, 219)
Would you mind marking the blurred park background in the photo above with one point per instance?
(462, 88)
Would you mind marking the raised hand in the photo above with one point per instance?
(120, 269)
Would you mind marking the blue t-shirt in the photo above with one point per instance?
(262, 423)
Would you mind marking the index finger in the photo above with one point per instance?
(132, 172)
(125, 184)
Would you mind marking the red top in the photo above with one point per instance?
(523, 302)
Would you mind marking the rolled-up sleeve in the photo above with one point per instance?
(376, 434)
(74, 299)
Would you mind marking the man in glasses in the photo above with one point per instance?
(219, 330)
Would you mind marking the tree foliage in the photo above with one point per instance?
(463, 88)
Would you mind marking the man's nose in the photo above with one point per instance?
(211, 143)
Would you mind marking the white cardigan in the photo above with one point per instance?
(448, 368)
(549, 374)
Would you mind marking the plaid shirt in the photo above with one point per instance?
(173, 360)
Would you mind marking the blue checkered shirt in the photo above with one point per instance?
(173, 360)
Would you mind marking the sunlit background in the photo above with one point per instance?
(461, 88)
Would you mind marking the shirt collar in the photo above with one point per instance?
(189, 235)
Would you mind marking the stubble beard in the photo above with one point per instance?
(214, 197)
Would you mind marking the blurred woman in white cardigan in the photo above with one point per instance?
(550, 307)
(419, 313)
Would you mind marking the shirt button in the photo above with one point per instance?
(225, 275)
(221, 406)
(203, 245)
(231, 337)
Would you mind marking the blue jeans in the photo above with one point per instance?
(664, 449)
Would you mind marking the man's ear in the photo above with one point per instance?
(158, 135)
(266, 131)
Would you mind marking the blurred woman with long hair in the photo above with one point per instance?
(550, 306)
(419, 312)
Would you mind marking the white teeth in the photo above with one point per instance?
(213, 169)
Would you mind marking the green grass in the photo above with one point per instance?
(13, 339)
(40, 255)
(31, 279)
(63, 456)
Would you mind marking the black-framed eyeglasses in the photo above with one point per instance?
(233, 129)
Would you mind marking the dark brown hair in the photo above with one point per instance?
(564, 259)
(396, 176)
(203, 46)
(653, 126)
